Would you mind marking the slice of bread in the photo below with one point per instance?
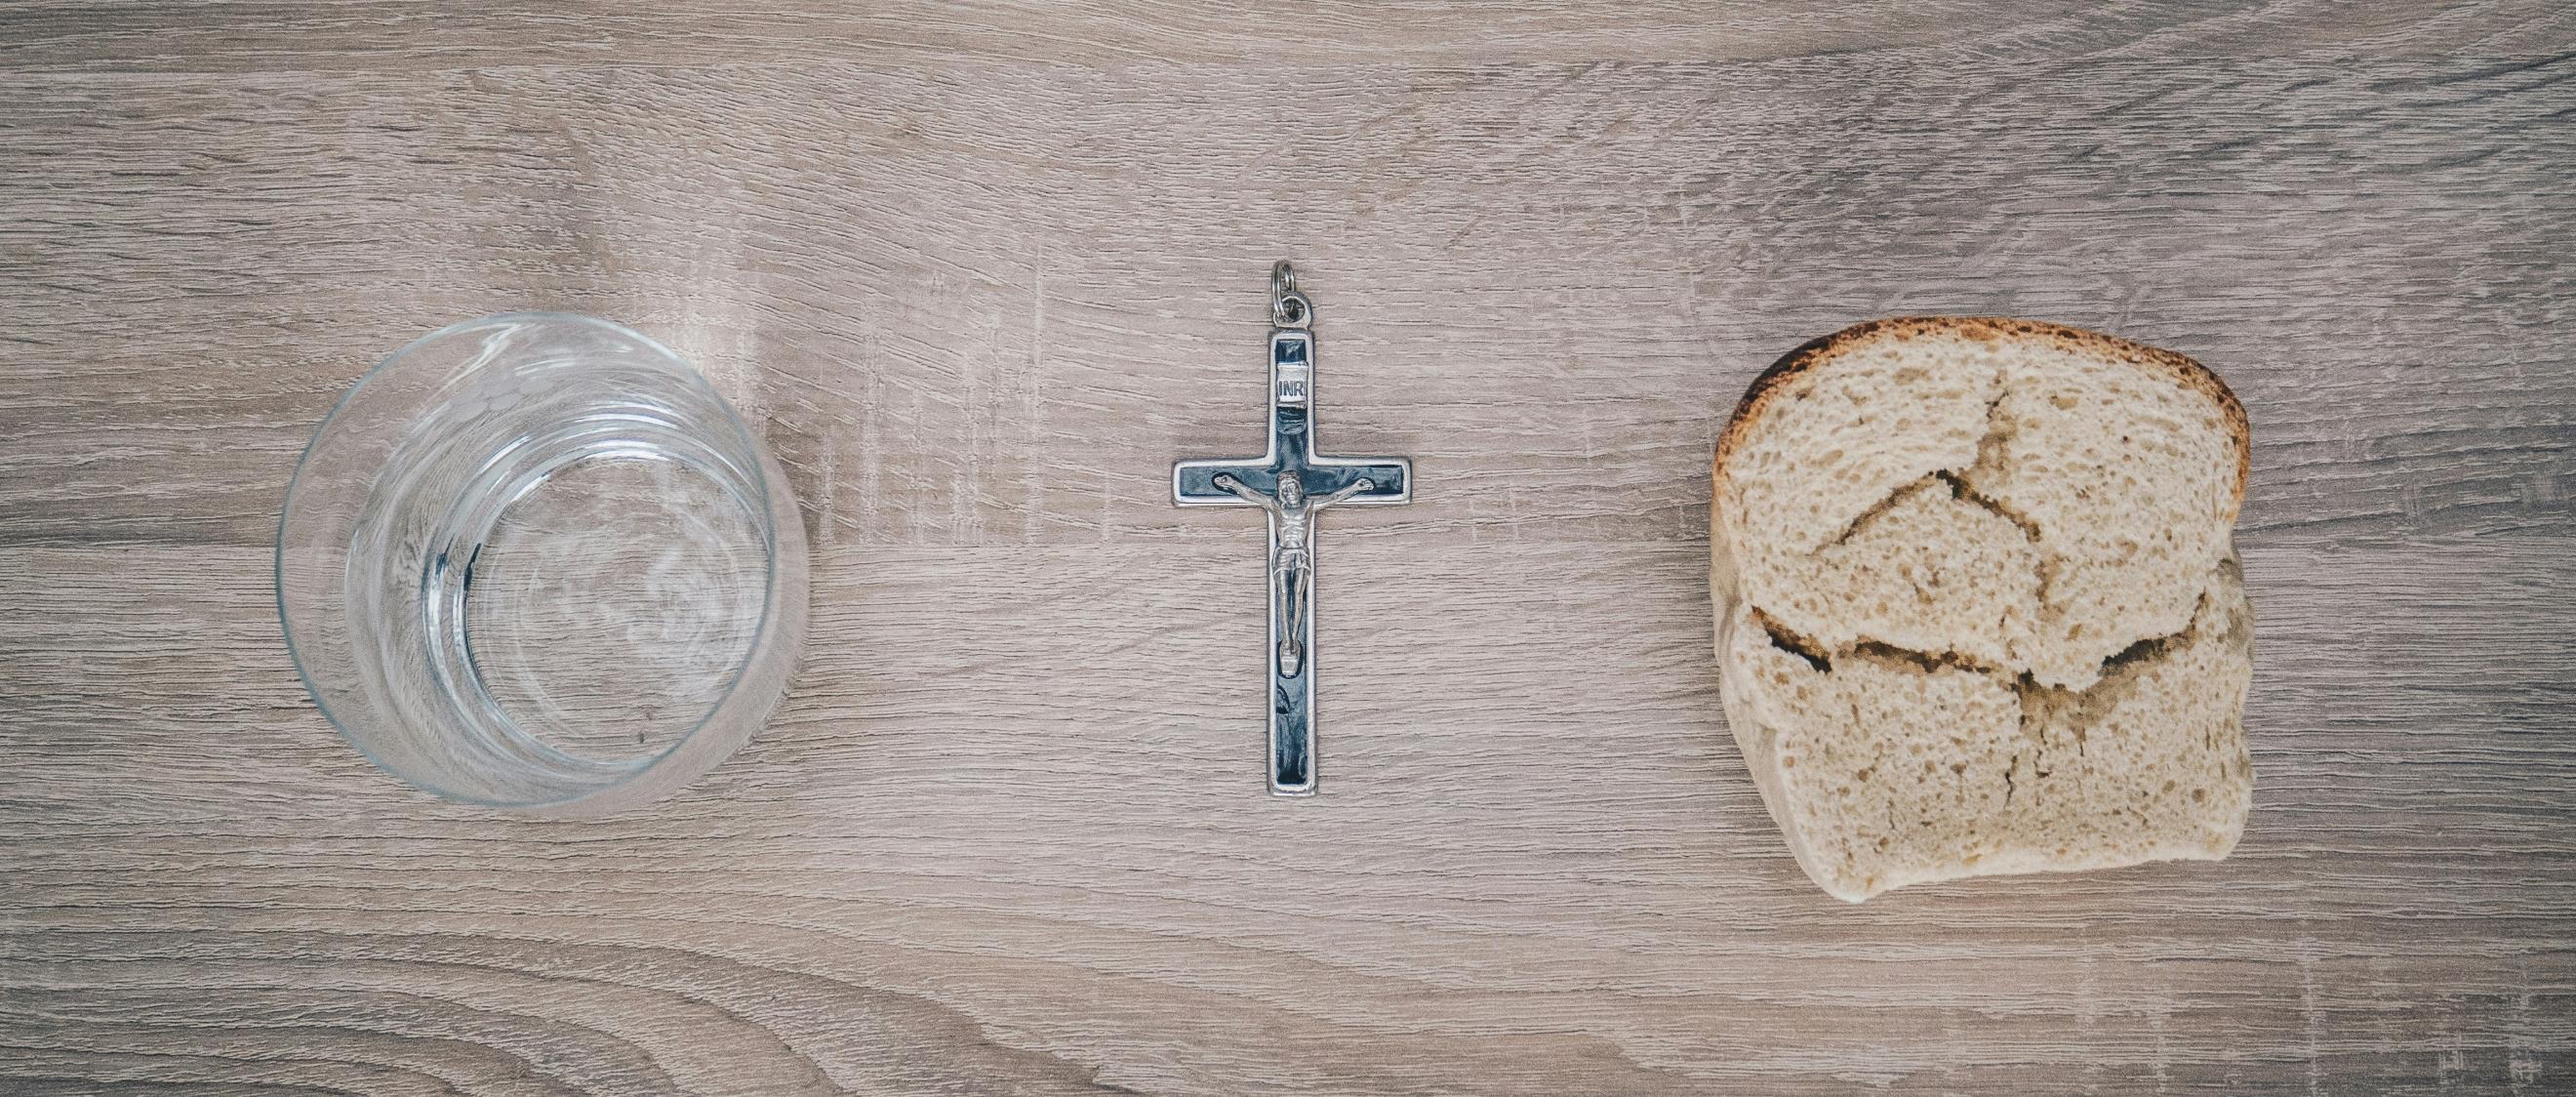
(1978, 604)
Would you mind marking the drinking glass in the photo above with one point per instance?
(536, 561)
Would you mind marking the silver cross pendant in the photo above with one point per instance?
(1292, 483)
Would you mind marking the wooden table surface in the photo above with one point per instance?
(980, 274)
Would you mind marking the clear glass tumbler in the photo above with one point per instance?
(535, 561)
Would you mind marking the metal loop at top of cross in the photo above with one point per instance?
(1288, 308)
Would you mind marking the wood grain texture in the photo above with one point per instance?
(981, 274)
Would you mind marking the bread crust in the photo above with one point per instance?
(1816, 352)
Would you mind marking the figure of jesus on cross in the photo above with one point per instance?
(1292, 483)
(1292, 516)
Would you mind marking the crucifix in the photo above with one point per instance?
(1292, 483)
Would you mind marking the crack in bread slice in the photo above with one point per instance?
(1978, 606)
